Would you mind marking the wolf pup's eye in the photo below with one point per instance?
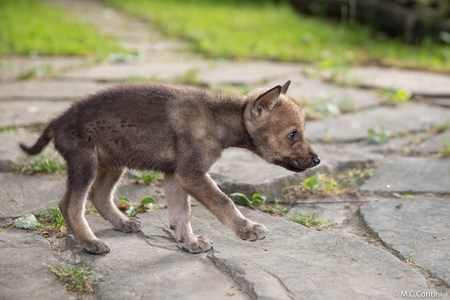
(293, 135)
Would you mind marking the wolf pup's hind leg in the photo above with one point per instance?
(81, 169)
(179, 208)
(101, 196)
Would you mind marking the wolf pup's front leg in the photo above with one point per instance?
(179, 206)
(204, 190)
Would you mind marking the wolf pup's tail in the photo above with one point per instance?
(43, 141)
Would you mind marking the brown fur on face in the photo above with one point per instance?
(180, 132)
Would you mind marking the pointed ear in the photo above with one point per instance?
(284, 88)
(266, 101)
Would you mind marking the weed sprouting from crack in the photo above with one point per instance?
(327, 185)
(310, 220)
(148, 177)
(445, 152)
(44, 164)
(77, 279)
(394, 97)
(409, 258)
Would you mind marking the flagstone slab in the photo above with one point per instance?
(45, 90)
(23, 194)
(303, 88)
(248, 73)
(13, 67)
(435, 144)
(411, 117)
(419, 82)
(30, 112)
(410, 175)
(148, 70)
(242, 171)
(24, 272)
(418, 230)
(10, 153)
(291, 262)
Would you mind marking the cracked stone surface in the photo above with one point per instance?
(353, 127)
(30, 112)
(34, 194)
(423, 236)
(120, 72)
(248, 73)
(45, 90)
(293, 262)
(419, 82)
(12, 67)
(10, 153)
(23, 260)
(150, 262)
(433, 145)
(313, 90)
(411, 175)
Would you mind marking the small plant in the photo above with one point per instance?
(46, 164)
(347, 106)
(331, 185)
(148, 177)
(91, 211)
(10, 129)
(77, 279)
(446, 151)
(323, 110)
(394, 97)
(53, 217)
(409, 258)
(355, 176)
(145, 205)
(136, 79)
(441, 127)
(377, 136)
(191, 76)
(43, 71)
(276, 209)
(309, 220)
(254, 201)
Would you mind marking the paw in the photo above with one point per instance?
(131, 225)
(251, 231)
(196, 244)
(95, 247)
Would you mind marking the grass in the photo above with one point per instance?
(131, 210)
(262, 29)
(276, 209)
(251, 201)
(43, 71)
(394, 97)
(77, 279)
(309, 220)
(323, 110)
(44, 164)
(327, 185)
(445, 152)
(378, 136)
(148, 177)
(409, 258)
(53, 217)
(30, 27)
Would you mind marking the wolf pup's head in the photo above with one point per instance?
(277, 125)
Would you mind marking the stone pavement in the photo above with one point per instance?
(381, 242)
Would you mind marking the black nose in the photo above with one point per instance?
(316, 160)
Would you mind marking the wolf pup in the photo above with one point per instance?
(180, 132)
